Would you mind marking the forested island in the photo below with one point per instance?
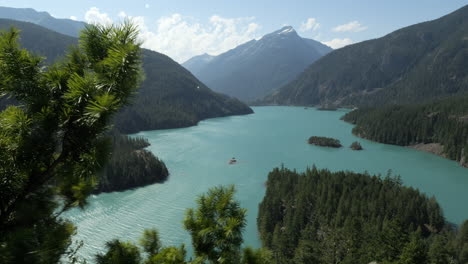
(441, 125)
(356, 146)
(130, 165)
(324, 142)
(344, 217)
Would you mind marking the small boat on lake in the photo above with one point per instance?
(232, 161)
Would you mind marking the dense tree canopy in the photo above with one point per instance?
(444, 122)
(130, 165)
(343, 217)
(52, 142)
(324, 142)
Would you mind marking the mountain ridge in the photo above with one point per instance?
(413, 64)
(169, 97)
(254, 68)
(61, 25)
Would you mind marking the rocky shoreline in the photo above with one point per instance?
(437, 149)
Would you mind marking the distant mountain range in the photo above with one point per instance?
(414, 64)
(65, 26)
(256, 68)
(169, 97)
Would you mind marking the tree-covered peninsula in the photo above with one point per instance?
(130, 165)
(324, 142)
(442, 124)
(321, 216)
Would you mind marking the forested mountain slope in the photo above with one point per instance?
(170, 96)
(42, 41)
(413, 64)
(61, 25)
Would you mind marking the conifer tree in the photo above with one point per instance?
(216, 226)
(52, 142)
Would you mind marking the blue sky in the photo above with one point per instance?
(184, 28)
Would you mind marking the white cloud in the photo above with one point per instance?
(147, 6)
(183, 37)
(310, 24)
(73, 18)
(338, 43)
(353, 26)
(94, 16)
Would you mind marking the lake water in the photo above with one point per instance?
(197, 158)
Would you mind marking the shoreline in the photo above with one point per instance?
(433, 148)
(437, 149)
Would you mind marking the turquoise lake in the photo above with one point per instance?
(197, 158)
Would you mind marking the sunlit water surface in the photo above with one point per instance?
(197, 158)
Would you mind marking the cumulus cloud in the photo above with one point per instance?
(94, 16)
(183, 37)
(310, 24)
(338, 43)
(73, 18)
(353, 26)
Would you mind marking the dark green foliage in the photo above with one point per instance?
(130, 166)
(441, 122)
(36, 238)
(461, 243)
(119, 253)
(325, 142)
(169, 255)
(52, 141)
(356, 146)
(150, 242)
(43, 42)
(169, 96)
(411, 65)
(414, 251)
(343, 217)
(256, 256)
(216, 226)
